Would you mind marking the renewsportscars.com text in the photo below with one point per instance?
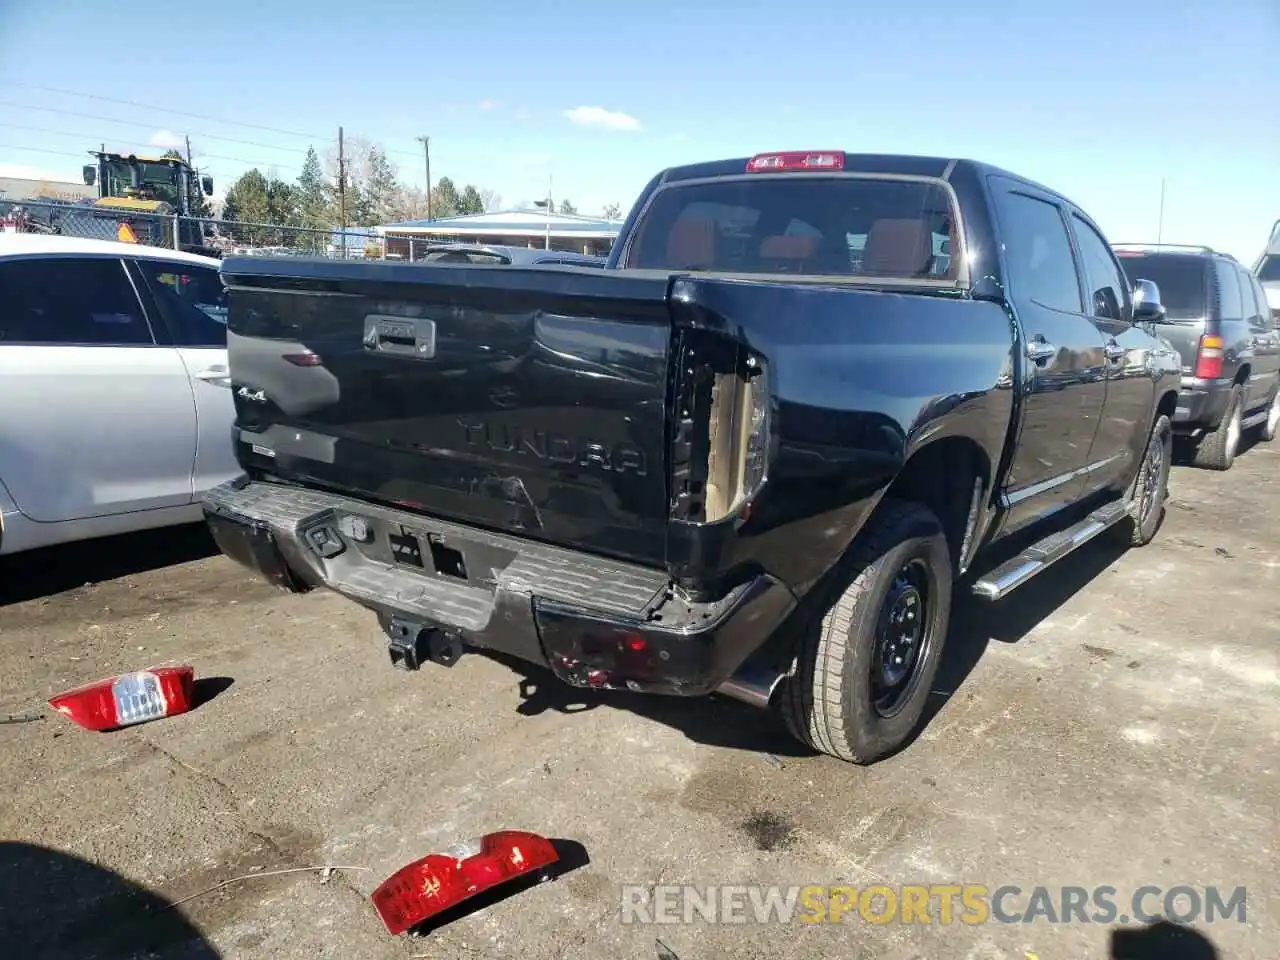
(930, 904)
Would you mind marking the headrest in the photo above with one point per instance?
(898, 248)
(691, 244)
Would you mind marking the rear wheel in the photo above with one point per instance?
(860, 679)
(1150, 488)
(1217, 450)
(1271, 426)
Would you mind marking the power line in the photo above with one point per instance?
(143, 126)
(183, 113)
(142, 143)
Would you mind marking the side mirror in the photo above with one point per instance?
(90, 174)
(1147, 307)
(206, 184)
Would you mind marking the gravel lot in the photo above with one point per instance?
(1116, 722)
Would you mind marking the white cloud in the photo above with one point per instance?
(532, 159)
(490, 104)
(602, 118)
(166, 139)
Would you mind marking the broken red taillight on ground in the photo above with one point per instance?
(129, 699)
(439, 881)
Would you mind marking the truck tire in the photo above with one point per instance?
(1271, 426)
(849, 692)
(1150, 488)
(1217, 450)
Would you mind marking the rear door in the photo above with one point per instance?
(96, 418)
(1121, 438)
(1065, 369)
(191, 301)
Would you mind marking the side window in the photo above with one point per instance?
(1228, 292)
(1042, 268)
(1106, 289)
(63, 300)
(192, 300)
(1253, 310)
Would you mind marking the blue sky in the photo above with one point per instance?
(1097, 99)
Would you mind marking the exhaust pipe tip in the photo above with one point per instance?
(754, 686)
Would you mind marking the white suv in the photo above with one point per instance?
(115, 412)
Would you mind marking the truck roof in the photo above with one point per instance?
(905, 164)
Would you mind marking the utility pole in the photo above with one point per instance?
(426, 155)
(342, 194)
(1160, 222)
(188, 139)
(550, 210)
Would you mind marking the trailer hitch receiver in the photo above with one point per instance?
(411, 644)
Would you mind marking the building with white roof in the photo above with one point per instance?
(513, 228)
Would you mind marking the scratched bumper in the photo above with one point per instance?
(593, 622)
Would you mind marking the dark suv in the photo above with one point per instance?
(1230, 345)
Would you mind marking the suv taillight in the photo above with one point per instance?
(1209, 358)
(720, 448)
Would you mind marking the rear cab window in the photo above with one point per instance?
(1182, 280)
(805, 225)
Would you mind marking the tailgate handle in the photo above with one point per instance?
(402, 336)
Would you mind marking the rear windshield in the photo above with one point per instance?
(1269, 269)
(1181, 281)
(807, 225)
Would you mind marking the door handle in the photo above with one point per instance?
(1040, 350)
(218, 376)
(1113, 351)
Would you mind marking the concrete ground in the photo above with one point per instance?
(1115, 723)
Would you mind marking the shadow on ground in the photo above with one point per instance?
(54, 906)
(1161, 941)
(51, 570)
(975, 622)
(721, 722)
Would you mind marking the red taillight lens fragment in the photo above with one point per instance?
(129, 699)
(439, 881)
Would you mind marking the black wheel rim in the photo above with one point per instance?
(903, 636)
(1153, 469)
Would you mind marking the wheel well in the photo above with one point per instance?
(941, 476)
(1168, 405)
(1242, 375)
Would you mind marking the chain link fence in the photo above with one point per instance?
(217, 238)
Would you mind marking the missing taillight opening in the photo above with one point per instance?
(721, 442)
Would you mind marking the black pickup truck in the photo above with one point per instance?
(808, 394)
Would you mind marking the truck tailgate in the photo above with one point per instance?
(525, 400)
